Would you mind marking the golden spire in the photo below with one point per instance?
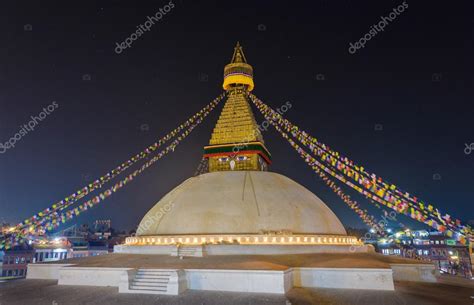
(238, 56)
(236, 142)
(238, 72)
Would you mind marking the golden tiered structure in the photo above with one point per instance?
(236, 142)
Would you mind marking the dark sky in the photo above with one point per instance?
(415, 80)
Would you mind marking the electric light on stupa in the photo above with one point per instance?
(238, 206)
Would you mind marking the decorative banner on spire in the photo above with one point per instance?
(353, 205)
(366, 184)
(50, 218)
(97, 184)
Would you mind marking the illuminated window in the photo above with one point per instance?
(242, 158)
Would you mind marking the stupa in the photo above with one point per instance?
(237, 227)
(238, 206)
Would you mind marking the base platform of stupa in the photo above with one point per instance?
(267, 245)
(238, 273)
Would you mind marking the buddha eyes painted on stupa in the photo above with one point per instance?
(238, 158)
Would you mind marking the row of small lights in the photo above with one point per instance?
(243, 240)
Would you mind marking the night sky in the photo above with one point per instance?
(402, 106)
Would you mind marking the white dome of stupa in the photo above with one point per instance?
(240, 202)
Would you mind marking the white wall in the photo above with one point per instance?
(345, 278)
(44, 271)
(91, 276)
(165, 250)
(414, 273)
(263, 281)
(246, 249)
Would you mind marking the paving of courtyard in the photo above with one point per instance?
(47, 292)
(255, 262)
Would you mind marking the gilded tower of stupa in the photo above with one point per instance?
(236, 142)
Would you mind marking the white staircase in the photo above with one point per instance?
(153, 281)
(195, 251)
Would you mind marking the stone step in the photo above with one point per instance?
(149, 288)
(147, 291)
(188, 251)
(154, 273)
(153, 281)
(152, 276)
(161, 281)
(150, 284)
(154, 270)
(143, 277)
